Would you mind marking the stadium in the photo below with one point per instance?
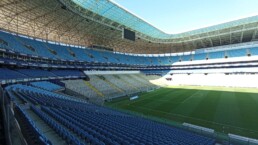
(90, 72)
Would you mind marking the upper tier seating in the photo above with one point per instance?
(199, 56)
(216, 55)
(15, 44)
(236, 53)
(175, 58)
(83, 123)
(165, 60)
(40, 48)
(186, 57)
(254, 51)
(54, 51)
(81, 54)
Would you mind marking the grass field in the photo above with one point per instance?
(228, 110)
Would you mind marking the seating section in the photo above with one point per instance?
(145, 80)
(216, 55)
(81, 87)
(134, 82)
(29, 129)
(40, 48)
(68, 73)
(237, 53)
(199, 56)
(121, 84)
(46, 86)
(186, 57)
(7, 74)
(105, 87)
(81, 123)
(60, 52)
(155, 72)
(14, 43)
(165, 60)
(175, 58)
(111, 86)
(253, 51)
(36, 73)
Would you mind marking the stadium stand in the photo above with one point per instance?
(94, 124)
(104, 87)
(253, 51)
(111, 86)
(36, 73)
(216, 55)
(53, 51)
(7, 74)
(200, 56)
(81, 87)
(68, 73)
(121, 84)
(47, 96)
(144, 80)
(29, 130)
(133, 82)
(186, 57)
(237, 53)
(47, 86)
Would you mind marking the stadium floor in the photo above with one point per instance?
(227, 110)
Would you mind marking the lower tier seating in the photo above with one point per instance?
(46, 86)
(81, 87)
(80, 123)
(111, 86)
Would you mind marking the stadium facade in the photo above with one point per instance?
(61, 60)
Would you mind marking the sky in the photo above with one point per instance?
(177, 16)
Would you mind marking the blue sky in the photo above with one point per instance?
(175, 16)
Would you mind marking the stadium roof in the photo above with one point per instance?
(100, 23)
(114, 12)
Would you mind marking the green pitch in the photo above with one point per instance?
(228, 110)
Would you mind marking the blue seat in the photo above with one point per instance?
(75, 121)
